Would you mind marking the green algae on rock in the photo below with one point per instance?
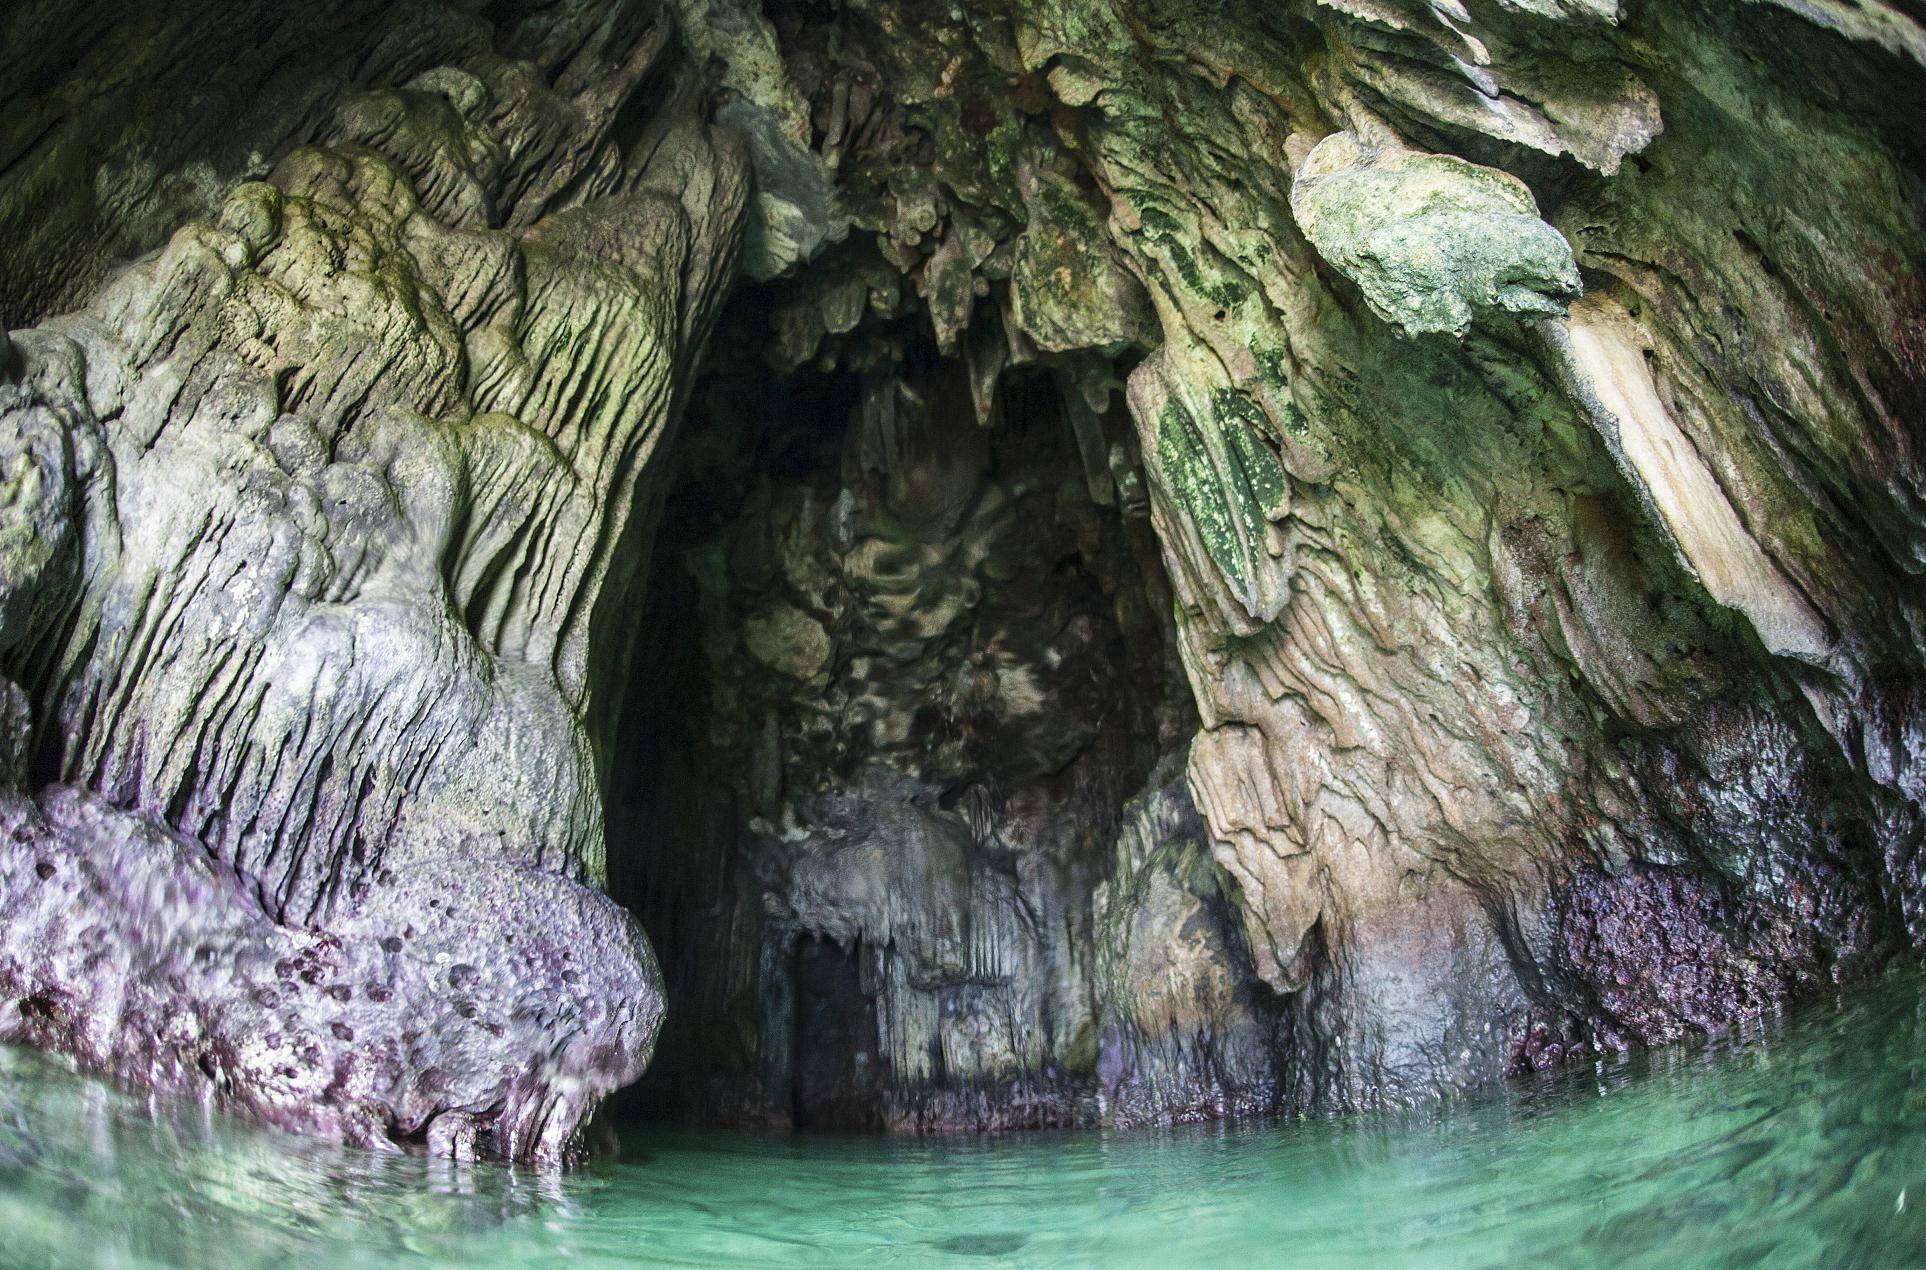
(1430, 239)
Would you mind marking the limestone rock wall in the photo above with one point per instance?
(1525, 398)
(321, 522)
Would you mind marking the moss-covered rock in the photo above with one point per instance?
(1430, 239)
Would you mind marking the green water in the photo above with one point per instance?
(1805, 1146)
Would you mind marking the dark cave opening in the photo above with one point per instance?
(838, 1057)
(901, 670)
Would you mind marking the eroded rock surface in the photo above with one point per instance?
(1524, 401)
(318, 518)
(1475, 442)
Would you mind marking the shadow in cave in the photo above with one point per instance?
(838, 1061)
(903, 661)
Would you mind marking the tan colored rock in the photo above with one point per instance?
(789, 641)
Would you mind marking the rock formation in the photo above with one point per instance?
(321, 522)
(1070, 561)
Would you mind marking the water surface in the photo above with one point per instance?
(1804, 1146)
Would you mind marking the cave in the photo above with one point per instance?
(922, 572)
(907, 661)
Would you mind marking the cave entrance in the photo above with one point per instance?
(906, 653)
(838, 1058)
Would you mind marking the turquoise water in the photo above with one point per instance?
(1804, 1146)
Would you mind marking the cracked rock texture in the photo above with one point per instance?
(1223, 557)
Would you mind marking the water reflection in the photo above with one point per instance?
(1794, 1149)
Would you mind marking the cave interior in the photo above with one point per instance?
(906, 656)
(914, 565)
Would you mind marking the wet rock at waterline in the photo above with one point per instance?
(320, 522)
(1102, 560)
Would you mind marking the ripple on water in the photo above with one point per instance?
(1794, 1148)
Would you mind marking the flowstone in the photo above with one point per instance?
(316, 520)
